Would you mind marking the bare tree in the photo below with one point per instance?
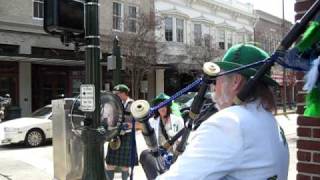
(139, 48)
(202, 50)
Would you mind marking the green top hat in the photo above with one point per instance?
(160, 98)
(244, 54)
(175, 108)
(121, 88)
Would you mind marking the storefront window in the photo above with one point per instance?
(52, 82)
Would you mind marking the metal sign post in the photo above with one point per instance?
(93, 143)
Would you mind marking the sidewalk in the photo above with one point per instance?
(19, 170)
(289, 124)
(288, 111)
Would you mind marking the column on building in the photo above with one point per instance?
(25, 95)
(159, 80)
(25, 99)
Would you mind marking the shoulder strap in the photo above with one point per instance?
(164, 132)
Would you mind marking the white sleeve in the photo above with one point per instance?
(212, 153)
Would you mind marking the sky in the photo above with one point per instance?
(274, 7)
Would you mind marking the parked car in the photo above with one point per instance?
(33, 131)
(185, 103)
(188, 99)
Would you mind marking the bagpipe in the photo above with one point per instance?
(306, 36)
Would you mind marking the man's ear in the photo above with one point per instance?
(238, 82)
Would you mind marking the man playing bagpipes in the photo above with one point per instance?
(119, 158)
(240, 141)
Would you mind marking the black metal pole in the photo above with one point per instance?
(284, 81)
(93, 143)
(117, 53)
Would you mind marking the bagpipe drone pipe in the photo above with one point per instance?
(306, 32)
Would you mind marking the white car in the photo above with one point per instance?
(33, 131)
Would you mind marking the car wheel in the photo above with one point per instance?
(34, 138)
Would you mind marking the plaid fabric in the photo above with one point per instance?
(121, 156)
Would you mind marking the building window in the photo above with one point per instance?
(249, 38)
(207, 41)
(132, 19)
(180, 29)
(197, 34)
(117, 16)
(221, 39)
(229, 39)
(239, 37)
(168, 29)
(38, 9)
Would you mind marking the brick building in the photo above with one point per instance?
(308, 131)
(268, 33)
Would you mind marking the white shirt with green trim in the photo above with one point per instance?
(237, 143)
(172, 127)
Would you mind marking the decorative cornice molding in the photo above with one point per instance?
(214, 5)
(175, 12)
(244, 30)
(225, 25)
(203, 19)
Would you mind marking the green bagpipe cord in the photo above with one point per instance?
(310, 36)
(313, 103)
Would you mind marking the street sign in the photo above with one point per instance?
(87, 98)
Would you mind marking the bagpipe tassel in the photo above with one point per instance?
(313, 103)
(312, 86)
(310, 37)
(312, 77)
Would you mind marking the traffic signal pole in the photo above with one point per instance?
(92, 139)
(117, 54)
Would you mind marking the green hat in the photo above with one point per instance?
(161, 97)
(121, 88)
(175, 108)
(244, 54)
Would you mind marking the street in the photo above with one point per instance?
(20, 162)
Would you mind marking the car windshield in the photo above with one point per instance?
(185, 98)
(42, 112)
(207, 99)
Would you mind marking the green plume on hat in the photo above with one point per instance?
(244, 54)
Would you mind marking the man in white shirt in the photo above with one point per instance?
(240, 142)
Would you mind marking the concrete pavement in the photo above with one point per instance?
(289, 125)
(11, 169)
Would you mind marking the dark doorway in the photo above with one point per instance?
(9, 81)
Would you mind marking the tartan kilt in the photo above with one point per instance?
(122, 156)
